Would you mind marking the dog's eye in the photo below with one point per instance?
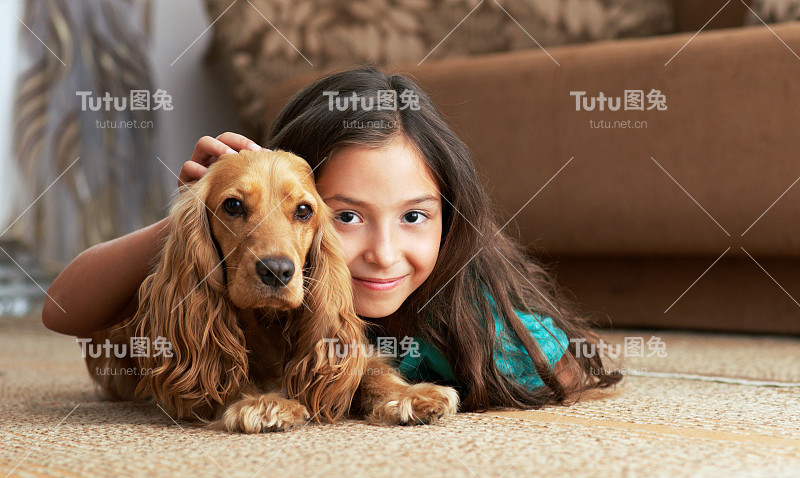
(303, 212)
(233, 207)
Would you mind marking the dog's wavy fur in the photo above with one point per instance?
(240, 361)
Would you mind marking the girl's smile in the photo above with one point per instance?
(378, 284)
(388, 213)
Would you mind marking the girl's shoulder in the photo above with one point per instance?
(552, 339)
(511, 357)
(417, 359)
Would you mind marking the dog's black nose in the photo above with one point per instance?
(275, 271)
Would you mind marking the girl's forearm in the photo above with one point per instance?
(99, 287)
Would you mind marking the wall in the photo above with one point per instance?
(9, 34)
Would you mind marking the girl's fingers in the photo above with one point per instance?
(190, 172)
(238, 142)
(208, 149)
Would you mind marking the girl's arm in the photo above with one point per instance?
(568, 374)
(99, 287)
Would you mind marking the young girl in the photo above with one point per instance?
(428, 261)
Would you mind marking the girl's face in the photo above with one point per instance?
(388, 213)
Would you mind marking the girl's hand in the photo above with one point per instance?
(208, 150)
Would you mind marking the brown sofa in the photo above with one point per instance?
(639, 214)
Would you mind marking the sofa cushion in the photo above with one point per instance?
(725, 138)
(691, 15)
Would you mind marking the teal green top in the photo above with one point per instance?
(510, 356)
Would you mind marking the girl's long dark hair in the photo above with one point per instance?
(476, 258)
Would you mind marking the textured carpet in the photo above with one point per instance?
(676, 417)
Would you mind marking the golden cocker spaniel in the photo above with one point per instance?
(250, 292)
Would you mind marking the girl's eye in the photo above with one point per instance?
(233, 207)
(304, 212)
(347, 217)
(414, 217)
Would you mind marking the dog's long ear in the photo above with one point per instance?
(326, 360)
(183, 305)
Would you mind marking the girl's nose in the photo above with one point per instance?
(383, 250)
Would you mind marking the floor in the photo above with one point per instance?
(699, 405)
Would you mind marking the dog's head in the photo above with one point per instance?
(253, 233)
(263, 213)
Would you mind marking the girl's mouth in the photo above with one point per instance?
(378, 284)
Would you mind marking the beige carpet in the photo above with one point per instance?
(53, 424)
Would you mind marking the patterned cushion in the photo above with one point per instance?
(773, 11)
(322, 35)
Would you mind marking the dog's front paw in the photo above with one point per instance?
(420, 404)
(262, 413)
